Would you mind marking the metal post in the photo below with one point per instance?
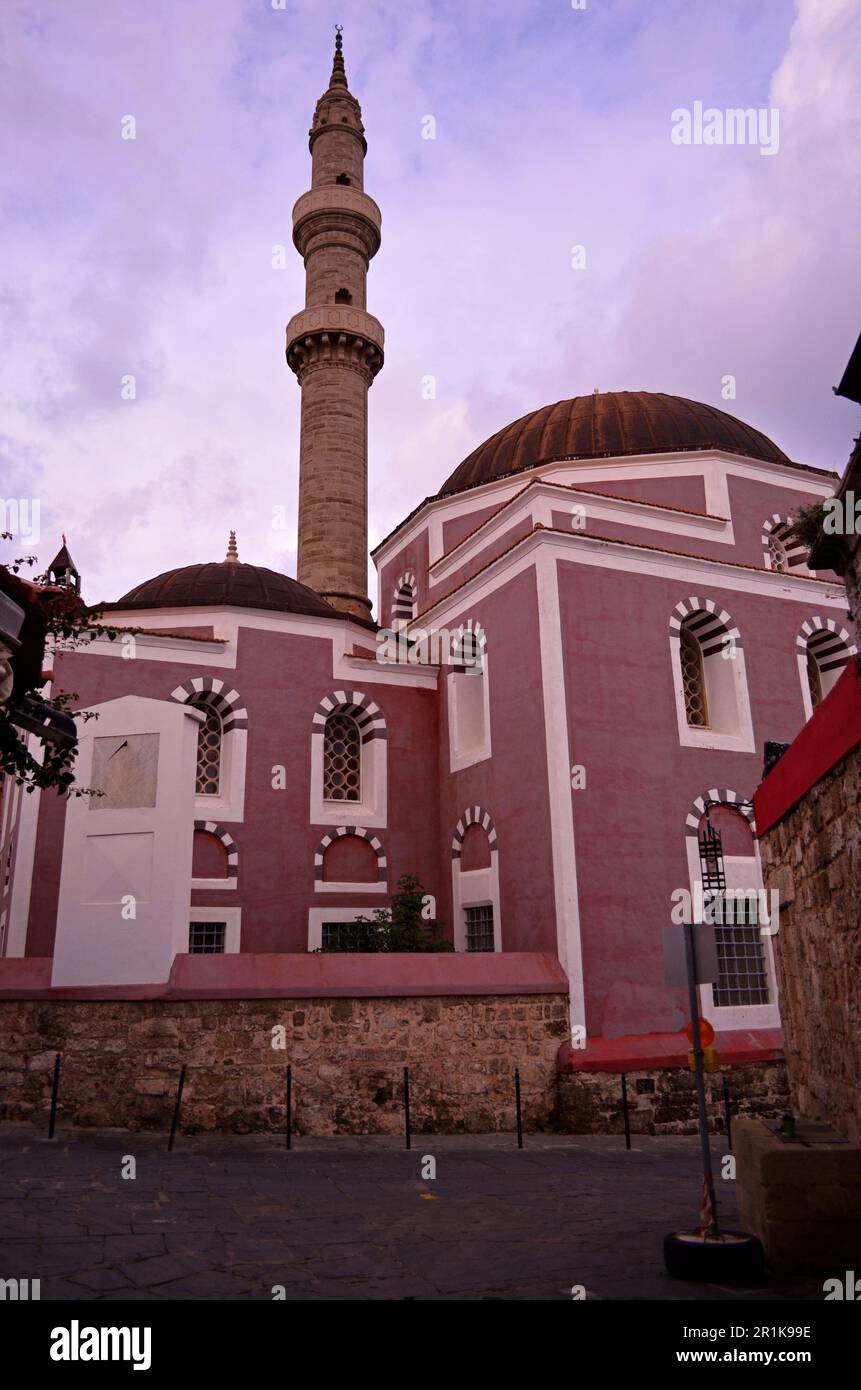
(625, 1111)
(289, 1105)
(407, 1131)
(175, 1119)
(708, 1178)
(55, 1091)
(518, 1108)
(726, 1111)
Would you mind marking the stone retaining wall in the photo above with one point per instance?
(120, 1062)
(813, 858)
(664, 1101)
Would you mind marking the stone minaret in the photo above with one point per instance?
(336, 349)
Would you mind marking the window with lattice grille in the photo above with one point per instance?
(209, 739)
(206, 938)
(777, 551)
(342, 759)
(742, 971)
(479, 928)
(693, 677)
(787, 554)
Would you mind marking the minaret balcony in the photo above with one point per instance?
(331, 206)
(335, 334)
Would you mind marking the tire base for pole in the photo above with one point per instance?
(733, 1257)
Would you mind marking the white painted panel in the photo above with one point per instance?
(125, 884)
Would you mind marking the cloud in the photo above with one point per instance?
(153, 257)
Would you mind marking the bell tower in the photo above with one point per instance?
(335, 347)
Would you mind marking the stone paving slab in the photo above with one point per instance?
(231, 1217)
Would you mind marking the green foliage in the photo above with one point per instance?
(807, 524)
(401, 927)
(68, 625)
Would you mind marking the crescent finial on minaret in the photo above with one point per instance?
(339, 72)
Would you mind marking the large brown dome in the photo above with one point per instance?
(606, 424)
(228, 583)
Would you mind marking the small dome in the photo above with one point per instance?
(226, 583)
(606, 424)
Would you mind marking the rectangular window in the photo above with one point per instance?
(205, 938)
(743, 977)
(349, 936)
(479, 928)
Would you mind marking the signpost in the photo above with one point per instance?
(706, 1253)
(708, 1210)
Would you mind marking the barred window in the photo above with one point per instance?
(205, 938)
(742, 977)
(342, 758)
(742, 972)
(479, 928)
(349, 936)
(209, 739)
(693, 676)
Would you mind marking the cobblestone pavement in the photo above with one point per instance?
(231, 1217)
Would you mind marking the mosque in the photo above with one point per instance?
(629, 618)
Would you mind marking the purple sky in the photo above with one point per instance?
(154, 256)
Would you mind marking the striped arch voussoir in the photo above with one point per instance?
(726, 798)
(327, 840)
(796, 550)
(227, 840)
(406, 578)
(211, 691)
(473, 815)
(826, 637)
(710, 623)
(402, 607)
(366, 713)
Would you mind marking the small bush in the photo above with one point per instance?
(401, 927)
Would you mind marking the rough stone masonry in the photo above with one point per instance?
(813, 858)
(121, 1062)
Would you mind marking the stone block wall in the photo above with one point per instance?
(664, 1101)
(804, 1203)
(813, 858)
(121, 1060)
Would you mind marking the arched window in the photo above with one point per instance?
(783, 551)
(344, 179)
(342, 758)
(343, 296)
(209, 744)
(475, 883)
(827, 655)
(723, 862)
(349, 777)
(709, 677)
(221, 743)
(404, 599)
(706, 653)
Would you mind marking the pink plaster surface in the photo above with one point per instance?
(645, 1051)
(294, 976)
